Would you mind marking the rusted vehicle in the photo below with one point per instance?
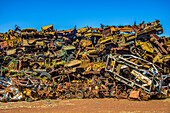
(68, 36)
(27, 33)
(11, 46)
(47, 31)
(136, 72)
(94, 34)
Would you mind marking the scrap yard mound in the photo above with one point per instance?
(125, 62)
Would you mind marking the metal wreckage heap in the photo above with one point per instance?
(130, 62)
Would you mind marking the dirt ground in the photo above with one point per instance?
(87, 105)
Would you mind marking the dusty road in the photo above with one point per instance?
(86, 105)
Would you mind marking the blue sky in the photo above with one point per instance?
(65, 14)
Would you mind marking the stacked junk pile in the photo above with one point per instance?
(130, 62)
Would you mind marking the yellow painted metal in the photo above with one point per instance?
(47, 27)
(105, 39)
(82, 30)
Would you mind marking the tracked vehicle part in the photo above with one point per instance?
(144, 74)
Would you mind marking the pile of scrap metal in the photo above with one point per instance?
(130, 62)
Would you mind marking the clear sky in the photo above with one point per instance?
(65, 14)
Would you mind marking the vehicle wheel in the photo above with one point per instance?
(102, 72)
(79, 94)
(45, 76)
(133, 50)
(67, 95)
(113, 93)
(40, 58)
(48, 70)
(101, 94)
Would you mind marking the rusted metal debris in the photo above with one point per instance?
(130, 62)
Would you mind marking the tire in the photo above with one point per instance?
(132, 49)
(48, 70)
(79, 94)
(67, 95)
(40, 58)
(113, 93)
(102, 72)
(45, 74)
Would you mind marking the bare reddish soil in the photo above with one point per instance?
(86, 105)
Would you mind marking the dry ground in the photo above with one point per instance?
(86, 105)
